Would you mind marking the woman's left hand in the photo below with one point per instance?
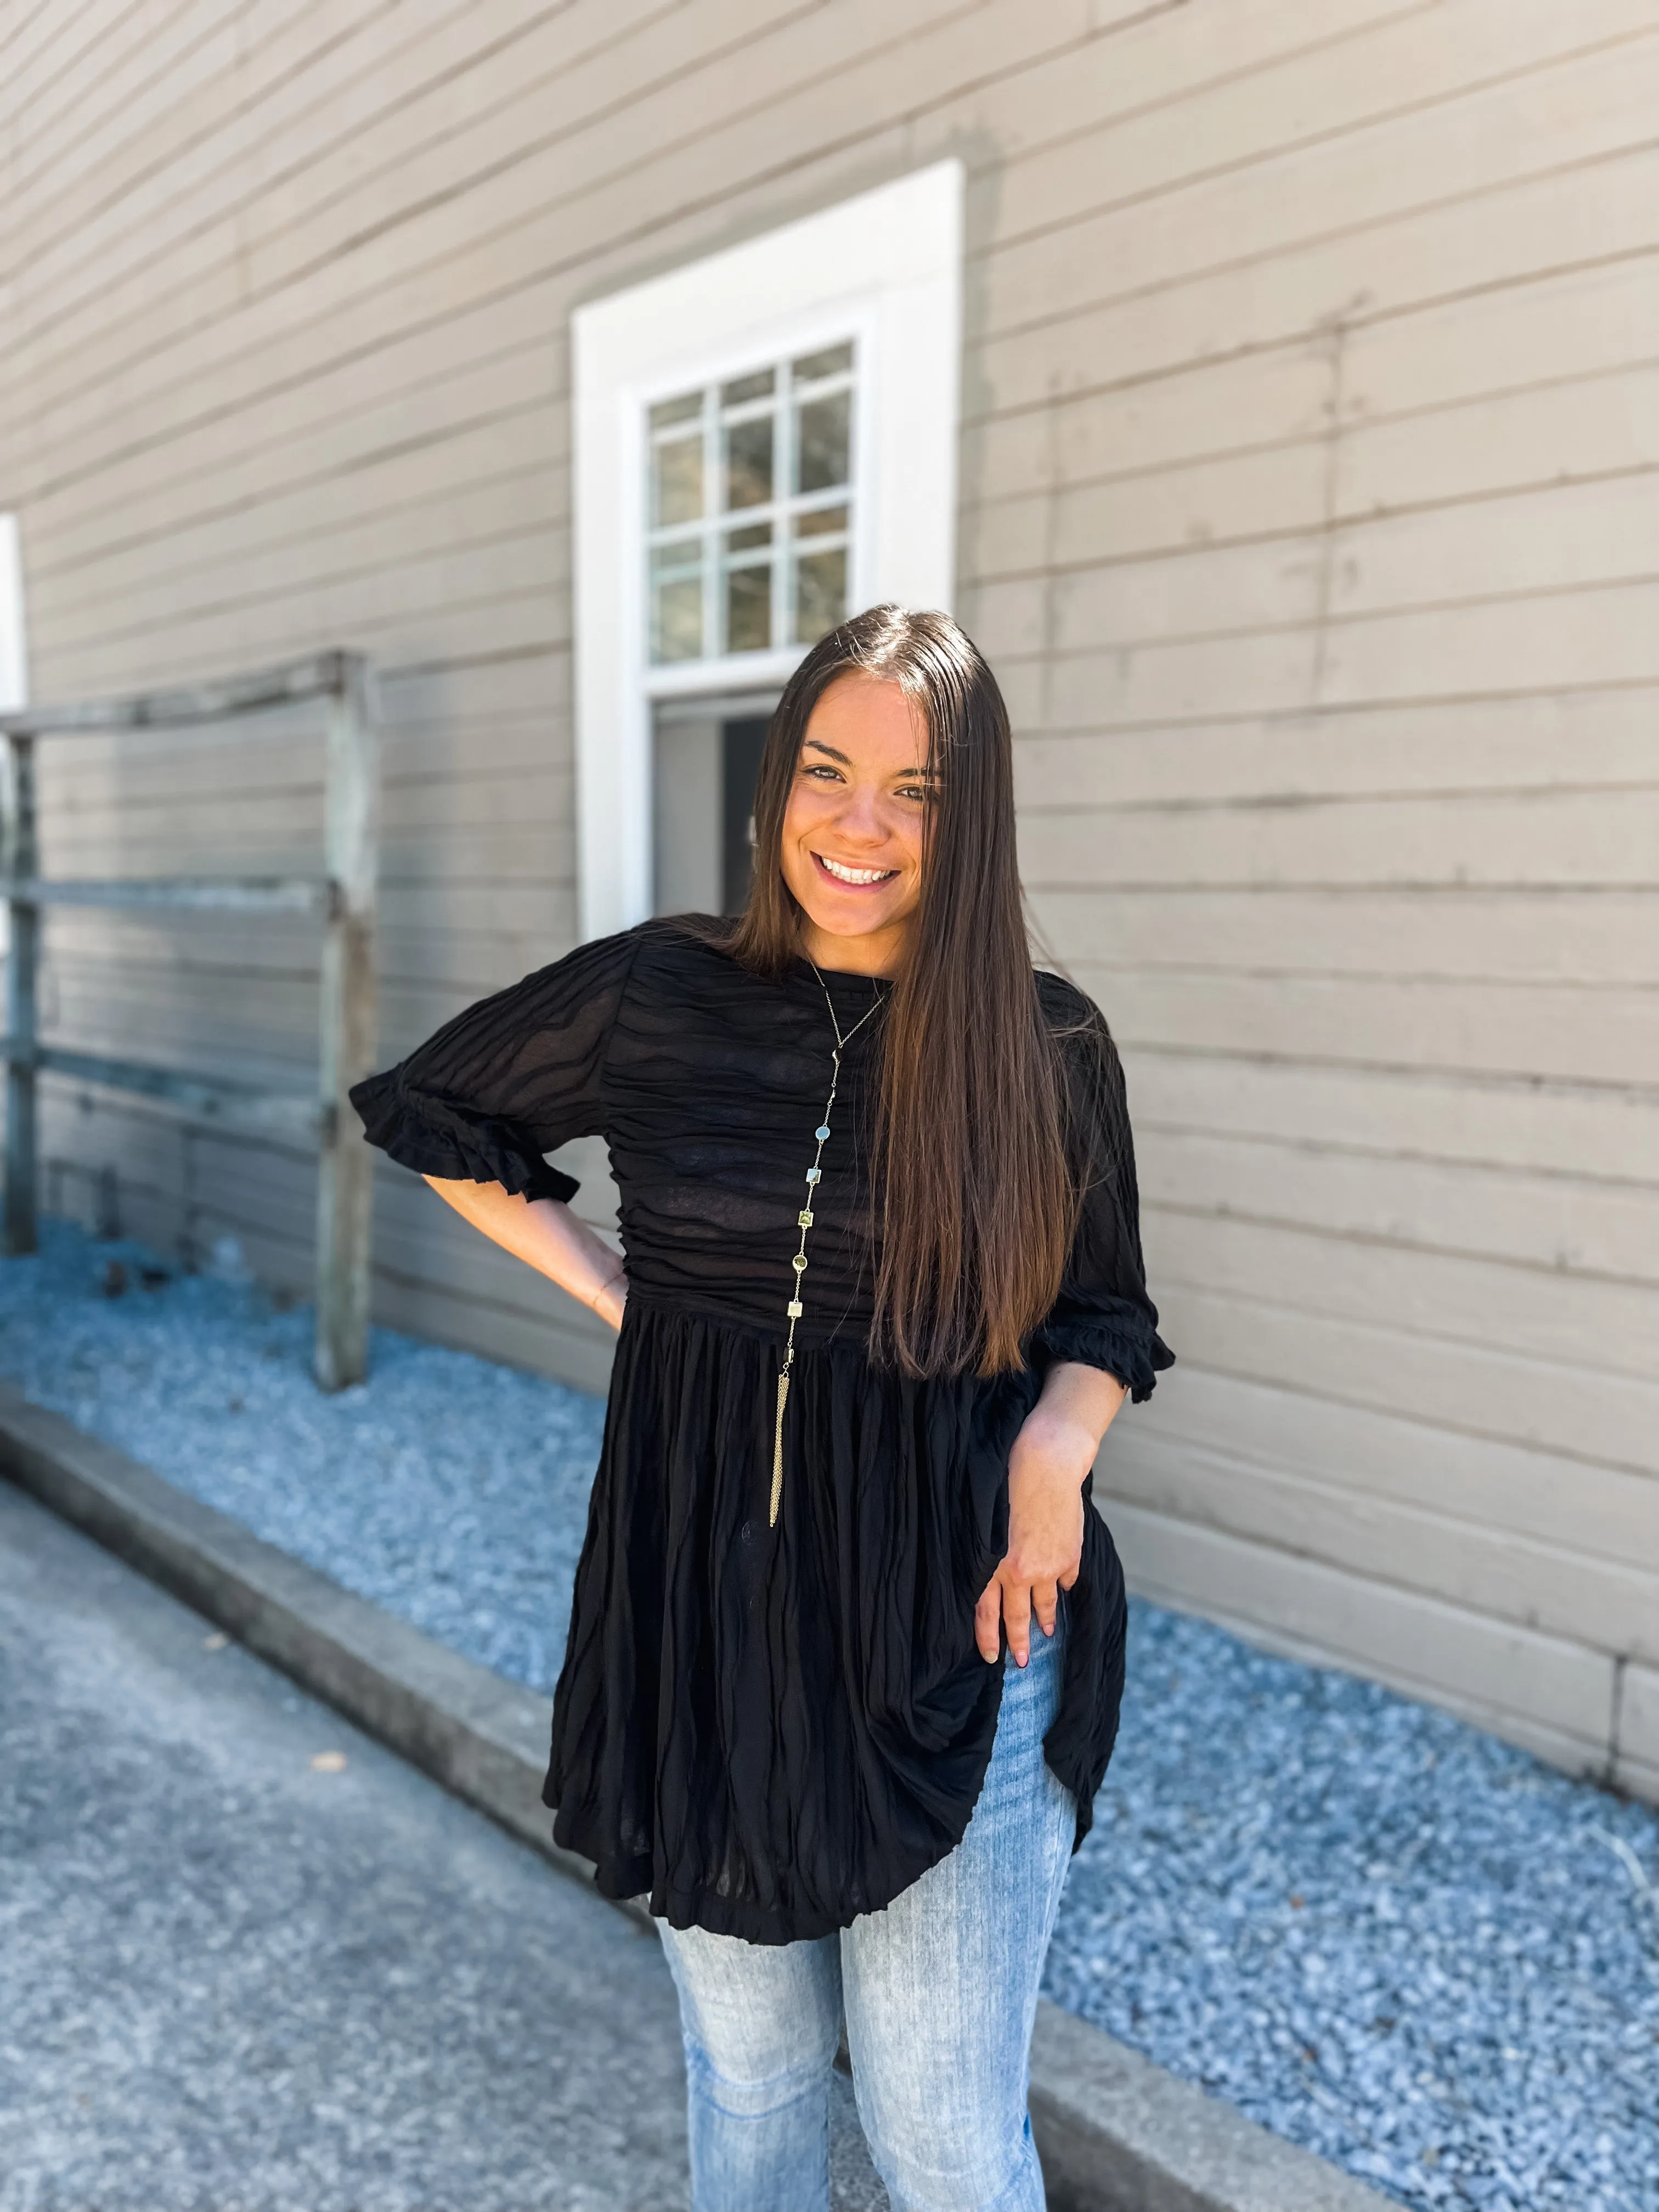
(1052, 1455)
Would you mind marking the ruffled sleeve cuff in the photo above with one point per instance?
(1126, 1344)
(457, 1144)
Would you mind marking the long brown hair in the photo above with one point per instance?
(978, 1205)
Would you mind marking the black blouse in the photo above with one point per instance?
(773, 1730)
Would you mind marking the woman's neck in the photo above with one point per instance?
(877, 952)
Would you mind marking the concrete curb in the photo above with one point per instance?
(1117, 2133)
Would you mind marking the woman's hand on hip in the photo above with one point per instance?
(1052, 1455)
(547, 1236)
(608, 1302)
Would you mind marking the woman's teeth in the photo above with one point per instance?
(845, 875)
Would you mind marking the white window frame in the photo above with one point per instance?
(883, 269)
(14, 634)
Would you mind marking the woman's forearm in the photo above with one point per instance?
(1051, 1457)
(1086, 1395)
(546, 1236)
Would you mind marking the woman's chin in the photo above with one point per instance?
(849, 917)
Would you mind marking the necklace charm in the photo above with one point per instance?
(804, 1221)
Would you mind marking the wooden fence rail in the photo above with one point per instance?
(345, 899)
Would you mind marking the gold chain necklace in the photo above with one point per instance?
(814, 1176)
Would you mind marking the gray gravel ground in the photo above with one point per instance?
(1374, 1928)
(1378, 1931)
(404, 1489)
(231, 1981)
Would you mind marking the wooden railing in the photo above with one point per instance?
(343, 896)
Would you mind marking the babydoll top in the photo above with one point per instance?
(773, 1730)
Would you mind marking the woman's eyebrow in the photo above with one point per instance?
(922, 774)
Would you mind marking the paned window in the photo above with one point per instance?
(749, 488)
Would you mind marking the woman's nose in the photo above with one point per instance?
(861, 817)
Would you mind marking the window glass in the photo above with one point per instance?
(748, 556)
(758, 386)
(748, 610)
(813, 368)
(677, 460)
(748, 462)
(820, 572)
(772, 450)
(677, 481)
(823, 443)
(667, 412)
(820, 594)
(677, 601)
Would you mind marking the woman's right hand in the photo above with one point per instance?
(547, 1236)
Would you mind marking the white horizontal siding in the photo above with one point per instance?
(1309, 513)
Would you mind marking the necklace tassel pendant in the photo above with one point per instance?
(777, 1452)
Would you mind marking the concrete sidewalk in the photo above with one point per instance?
(233, 1978)
(1117, 2133)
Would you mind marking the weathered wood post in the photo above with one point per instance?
(22, 1040)
(345, 1163)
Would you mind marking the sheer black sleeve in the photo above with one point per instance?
(1102, 1316)
(508, 1078)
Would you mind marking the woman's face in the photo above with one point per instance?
(853, 828)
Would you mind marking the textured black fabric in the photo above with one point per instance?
(772, 1730)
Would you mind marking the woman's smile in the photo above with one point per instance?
(843, 872)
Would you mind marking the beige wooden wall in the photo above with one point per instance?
(1307, 514)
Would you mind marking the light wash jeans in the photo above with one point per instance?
(939, 1991)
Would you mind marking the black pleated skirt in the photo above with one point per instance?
(772, 1730)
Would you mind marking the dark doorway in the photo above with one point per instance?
(741, 740)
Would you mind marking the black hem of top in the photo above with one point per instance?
(623, 1879)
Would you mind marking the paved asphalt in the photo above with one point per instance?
(232, 1980)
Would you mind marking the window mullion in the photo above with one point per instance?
(783, 548)
(713, 498)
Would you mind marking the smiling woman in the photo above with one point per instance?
(851, 844)
(882, 1295)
